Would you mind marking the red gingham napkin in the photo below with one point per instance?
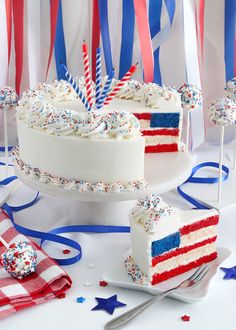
(49, 280)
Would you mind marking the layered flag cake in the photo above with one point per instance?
(167, 242)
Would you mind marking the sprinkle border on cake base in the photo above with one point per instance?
(75, 185)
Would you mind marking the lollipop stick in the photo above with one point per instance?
(187, 130)
(6, 139)
(222, 131)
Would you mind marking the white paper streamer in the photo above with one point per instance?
(192, 70)
(4, 44)
(34, 42)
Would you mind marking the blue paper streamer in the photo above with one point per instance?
(230, 17)
(59, 45)
(202, 180)
(127, 37)
(2, 149)
(103, 12)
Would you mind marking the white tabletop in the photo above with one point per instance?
(216, 312)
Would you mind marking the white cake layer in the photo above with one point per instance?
(182, 259)
(72, 157)
(161, 139)
(198, 236)
(141, 240)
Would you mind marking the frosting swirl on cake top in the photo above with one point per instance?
(150, 211)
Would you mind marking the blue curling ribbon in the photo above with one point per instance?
(59, 45)
(155, 26)
(52, 236)
(230, 18)
(103, 13)
(202, 180)
(127, 37)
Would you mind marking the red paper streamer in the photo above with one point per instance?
(140, 9)
(54, 5)
(18, 18)
(95, 36)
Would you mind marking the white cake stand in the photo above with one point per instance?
(163, 172)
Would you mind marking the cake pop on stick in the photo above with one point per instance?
(191, 97)
(222, 112)
(8, 101)
(231, 93)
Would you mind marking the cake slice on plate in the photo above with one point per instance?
(167, 242)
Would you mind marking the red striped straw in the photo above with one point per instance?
(87, 75)
(120, 84)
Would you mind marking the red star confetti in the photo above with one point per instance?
(61, 295)
(185, 318)
(103, 283)
(66, 251)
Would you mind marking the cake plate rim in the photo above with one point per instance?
(159, 173)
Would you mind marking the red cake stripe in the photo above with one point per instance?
(157, 278)
(164, 131)
(182, 250)
(145, 116)
(200, 224)
(162, 148)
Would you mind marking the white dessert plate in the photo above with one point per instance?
(118, 276)
(163, 172)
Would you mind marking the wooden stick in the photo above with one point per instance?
(6, 139)
(187, 130)
(222, 131)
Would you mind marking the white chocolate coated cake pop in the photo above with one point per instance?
(19, 260)
(222, 111)
(231, 89)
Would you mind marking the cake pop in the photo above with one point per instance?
(8, 101)
(191, 97)
(19, 260)
(222, 112)
(231, 89)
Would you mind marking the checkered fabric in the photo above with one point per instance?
(49, 280)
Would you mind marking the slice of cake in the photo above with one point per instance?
(167, 242)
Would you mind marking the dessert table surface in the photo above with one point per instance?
(100, 251)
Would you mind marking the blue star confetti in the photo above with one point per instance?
(108, 304)
(80, 300)
(230, 273)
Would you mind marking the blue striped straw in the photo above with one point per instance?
(105, 90)
(71, 80)
(98, 74)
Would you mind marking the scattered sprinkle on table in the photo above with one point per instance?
(103, 283)
(87, 284)
(185, 318)
(66, 251)
(91, 266)
(108, 304)
(230, 273)
(61, 295)
(80, 300)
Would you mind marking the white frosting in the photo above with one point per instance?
(8, 97)
(153, 213)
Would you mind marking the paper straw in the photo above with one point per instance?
(120, 84)
(105, 90)
(98, 74)
(87, 75)
(71, 80)
(222, 130)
